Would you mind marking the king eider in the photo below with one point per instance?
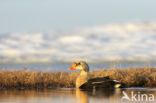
(83, 82)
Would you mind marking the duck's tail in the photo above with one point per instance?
(119, 84)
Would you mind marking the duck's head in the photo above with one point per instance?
(81, 65)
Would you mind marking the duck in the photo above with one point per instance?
(82, 81)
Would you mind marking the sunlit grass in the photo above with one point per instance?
(142, 77)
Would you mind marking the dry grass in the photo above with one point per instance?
(143, 77)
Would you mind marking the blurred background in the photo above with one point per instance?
(50, 34)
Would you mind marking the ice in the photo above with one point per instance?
(135, 41)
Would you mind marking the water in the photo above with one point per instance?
(72, 95)
(64, 66)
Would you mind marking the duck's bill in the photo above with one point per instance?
(71, 68)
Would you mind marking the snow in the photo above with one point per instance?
(122, 41)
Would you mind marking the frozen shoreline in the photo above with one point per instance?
(132, 41)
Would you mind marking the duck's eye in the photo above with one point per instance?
(74, 64)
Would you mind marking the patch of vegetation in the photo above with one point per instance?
(138, 77)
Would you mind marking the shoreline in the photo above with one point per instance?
(133, 77)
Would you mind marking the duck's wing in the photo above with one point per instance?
(100, 82)
(99, 79)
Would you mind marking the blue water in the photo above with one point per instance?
(54, 67)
